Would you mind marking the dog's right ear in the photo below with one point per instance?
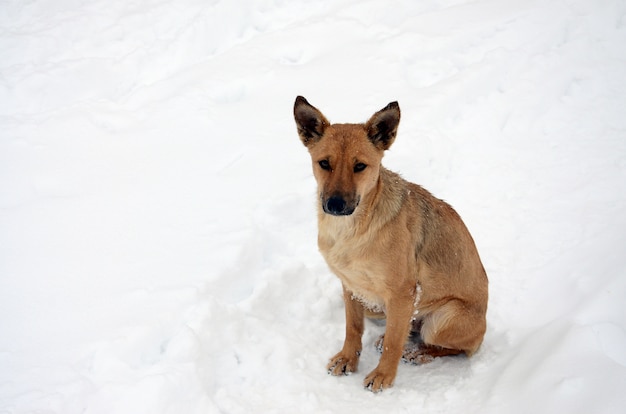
(310, 121)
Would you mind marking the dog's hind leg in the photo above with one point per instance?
(420, 353)
(453, 328)
(415, 351)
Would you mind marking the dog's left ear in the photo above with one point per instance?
(383, 125)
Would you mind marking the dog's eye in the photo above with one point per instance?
(325, 165)
(359, 166)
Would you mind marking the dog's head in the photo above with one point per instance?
(346, 157)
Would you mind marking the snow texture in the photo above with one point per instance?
(157, 209)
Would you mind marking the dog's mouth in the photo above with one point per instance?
(338, 206)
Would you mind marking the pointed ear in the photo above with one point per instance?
(383, 125)
(310, 121)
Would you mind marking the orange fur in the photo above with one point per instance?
(397, 249)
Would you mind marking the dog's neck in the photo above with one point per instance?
(388, 196)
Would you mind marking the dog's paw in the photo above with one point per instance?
(378, 380)
(414, 353)
(342, 364)
(378, 344)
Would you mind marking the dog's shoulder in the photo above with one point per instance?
(400, 196)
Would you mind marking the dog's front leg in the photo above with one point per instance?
(347, 360)
(399, 313)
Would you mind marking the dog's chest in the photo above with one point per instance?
(359, 268)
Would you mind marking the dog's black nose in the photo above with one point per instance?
(337, 206)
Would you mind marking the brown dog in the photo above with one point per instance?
(398, 250)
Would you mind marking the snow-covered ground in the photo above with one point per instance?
(157, 209)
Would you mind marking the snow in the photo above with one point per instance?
(157, 209)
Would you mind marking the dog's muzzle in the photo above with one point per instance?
(337, 206)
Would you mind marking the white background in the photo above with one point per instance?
(157, 209)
